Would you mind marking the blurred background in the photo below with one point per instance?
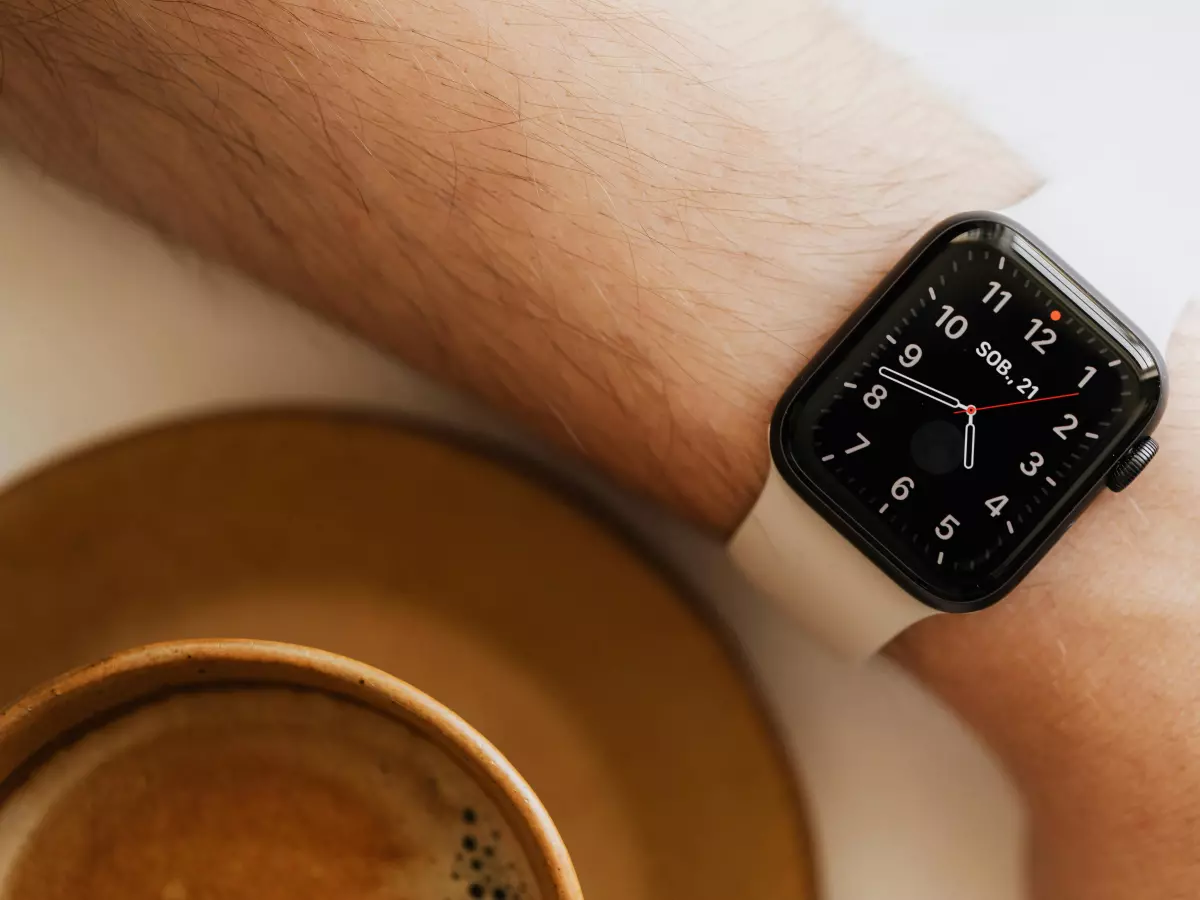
(1110, 86)
(1067, 80)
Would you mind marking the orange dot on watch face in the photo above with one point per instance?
(1055, 315)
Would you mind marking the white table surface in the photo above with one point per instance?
(103, 329)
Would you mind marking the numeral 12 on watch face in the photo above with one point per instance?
(954, 429)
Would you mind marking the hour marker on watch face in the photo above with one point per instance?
(1050, 481)
(1091, 434)
(891, 340)
(941, 554)
(1008, 523)
(849, 384)
(883, 508)
(1115, 362)
(827, 457)
(932, 295)
(1001, 264)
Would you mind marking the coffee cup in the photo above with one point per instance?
(249, 769)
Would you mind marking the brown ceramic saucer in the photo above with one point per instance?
(588, 670)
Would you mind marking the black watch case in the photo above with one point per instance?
(981, 325)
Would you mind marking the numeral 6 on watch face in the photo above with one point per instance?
(901, 487)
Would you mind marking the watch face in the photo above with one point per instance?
(958, 424)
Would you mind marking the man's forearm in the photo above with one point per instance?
(627, 227)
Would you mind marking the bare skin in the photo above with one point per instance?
(629, 226)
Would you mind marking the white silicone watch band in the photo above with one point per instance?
(792, 555)
(799, 560)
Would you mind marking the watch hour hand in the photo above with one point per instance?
(920, 387)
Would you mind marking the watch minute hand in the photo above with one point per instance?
(925, 390)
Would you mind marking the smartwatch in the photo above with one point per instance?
(955, 427)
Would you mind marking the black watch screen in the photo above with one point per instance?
(971, 408)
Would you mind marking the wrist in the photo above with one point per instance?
(837, 259)
(1080, 679)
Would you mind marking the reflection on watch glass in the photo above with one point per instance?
(963, 417)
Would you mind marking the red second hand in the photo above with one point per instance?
(1019, 402)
